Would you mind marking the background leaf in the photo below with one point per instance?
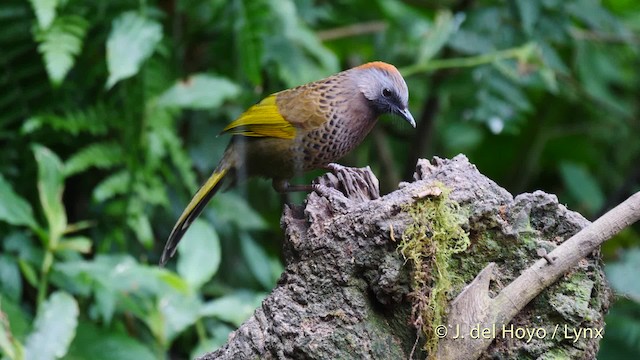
(92, 342)
(60, 44)
(132, 40)
(228, 206)
(45, 11)
(618, 274)
(54, 328)
(100, 155)
(528, 12)
(258, 261)
(50, 188)
(10, 281)
(199, 91)
(582, 186)
(13, 208)
(234, 308)
(199, 252)
(178, 311)
(251, 25)
(444, 26)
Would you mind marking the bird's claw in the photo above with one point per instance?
(355, 183)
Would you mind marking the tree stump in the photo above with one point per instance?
(345, 289)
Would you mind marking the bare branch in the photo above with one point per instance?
(474, 306)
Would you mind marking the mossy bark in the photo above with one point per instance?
(345, 290)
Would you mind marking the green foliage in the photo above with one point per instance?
(98, 155)
(14, 209)
(582, 186)
(622, 339)
(50, 188)
(60, 44)
(200, 91)
(195, 266)
(104, 344)
(54, 328)
(110, 110)
(618, 274)
(45, 11)
(132, 40)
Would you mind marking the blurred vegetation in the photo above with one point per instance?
(109, 112)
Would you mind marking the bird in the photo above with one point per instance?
(300, 129)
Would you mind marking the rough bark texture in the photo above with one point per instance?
(344, 292)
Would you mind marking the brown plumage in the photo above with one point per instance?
(300, 129)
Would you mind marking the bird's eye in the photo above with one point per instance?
(386, 92)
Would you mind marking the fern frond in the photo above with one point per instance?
(116, 184)
(60, 44)
(45, 11)
(94, 120)
(100, 155)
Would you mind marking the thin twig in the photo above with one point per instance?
(596, 36)
(520, 52)
(352, 30)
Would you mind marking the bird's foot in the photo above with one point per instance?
(355, 183)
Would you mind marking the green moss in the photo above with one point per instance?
(429, 243)
(555, 354)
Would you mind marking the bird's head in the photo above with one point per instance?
(384, 87)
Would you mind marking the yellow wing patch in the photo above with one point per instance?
(262, 120)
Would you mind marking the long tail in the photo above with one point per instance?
(195, 207)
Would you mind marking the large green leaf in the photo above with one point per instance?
(528, 11)
(50, 188)
(258, 261)
(119, 283)
(234, 308)
(228, 205)
(60, 44)
(54, 329)
(93, 342)
(176, 313)
(132, 40)
(14, 209)
(10, 280)
(199, 91)
(618, 274)
(582, 186)
(123, 274)
(199, 254)
(445, 25)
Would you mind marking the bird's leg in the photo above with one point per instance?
(283, 186)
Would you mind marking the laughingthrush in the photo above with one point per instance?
(300, 129)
